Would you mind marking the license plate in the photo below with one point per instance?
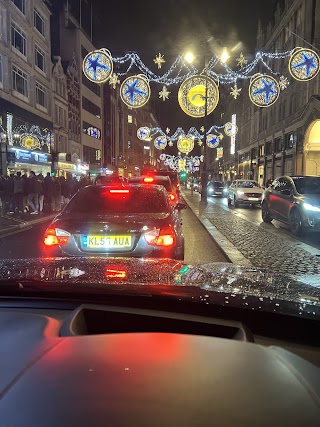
(107, 241)
(253, 199)
(218, 192)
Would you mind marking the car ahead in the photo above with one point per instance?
(153, 179)
(110, 180)
(215, 188)
(294, 200)
(246, 192)
(174, 178)
(127, 221)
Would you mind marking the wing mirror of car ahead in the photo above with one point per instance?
(180, 206)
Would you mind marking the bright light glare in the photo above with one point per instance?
(189, 57)
(224, 56)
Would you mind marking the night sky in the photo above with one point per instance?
(172, 27)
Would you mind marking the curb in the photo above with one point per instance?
(226, 247)
(27, 224)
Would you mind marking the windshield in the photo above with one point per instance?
(247, 184)
(100, 201)
(215, 103)
(307, 185)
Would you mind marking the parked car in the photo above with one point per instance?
(294, 200)
(215, 188)
(244, 191)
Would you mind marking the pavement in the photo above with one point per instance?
(14, 222)
(259, 245)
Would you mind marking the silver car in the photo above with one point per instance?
(244, 191)
(128, 221)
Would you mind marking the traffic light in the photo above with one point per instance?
(183, 175)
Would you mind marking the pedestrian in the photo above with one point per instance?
(18, 191)
(33, 190)
(25, 192)
(48, 192)
(41, 192)
(56, 195)
(269, 182)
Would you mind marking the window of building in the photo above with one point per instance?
(278, 144)
(129, 118)
(91, 130)
(21, 5)
(19, 81)
(261, 150)
(269, 147)
(41, 95)
(18, 38)
(91, 85)
(288, 140)
(91, 107)
(84, 52)
(91, 155)
(1, 71)
(39, 58)
(38, 21)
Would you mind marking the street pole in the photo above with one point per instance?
(204, 176)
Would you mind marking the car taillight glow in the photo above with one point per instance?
(163, 237)
(172, 197)
(118, 191)
(114, 273)
(56, 237)
(148, 179)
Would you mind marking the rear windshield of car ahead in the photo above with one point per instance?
(98, 200)
(247, 184)
(165, 182)
(307, 185)
(173, 176)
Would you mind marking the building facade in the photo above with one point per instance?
(26, 108)
(284, 139)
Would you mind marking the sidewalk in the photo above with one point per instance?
(203, 214)
(13, 222)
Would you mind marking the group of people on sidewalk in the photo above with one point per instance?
(36, 194)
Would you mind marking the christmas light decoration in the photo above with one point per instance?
(304, 64)
(235, 91)
(135, 91)
(114, 80)
(185, 144)
(164, 93)
(168, 130)
(160, 142)
(241, 61)
(159, 60)
(212, 141)
(264, 90)
(283, 82)
(182, 164)
(98, 66)
(143, 133)
(230, 129)
(193, 93)
(30, 142)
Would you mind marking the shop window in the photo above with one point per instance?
(38, 21)
(19, 81)
(91, 130)
(18, 39)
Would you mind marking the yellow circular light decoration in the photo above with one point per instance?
(264, 90)
(185, 144)
(230, 129)
(304, 64)
(192, 94)
(135, 91)
(97, 66)
(29, 141)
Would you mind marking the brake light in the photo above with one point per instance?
(56, 237)
(172, 197)
(148, 179)
(163, 237)
(114, 273)
(118, 191)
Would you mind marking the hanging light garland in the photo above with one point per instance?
(182, 164)
(199, 89)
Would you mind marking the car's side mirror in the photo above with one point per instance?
(180, 206)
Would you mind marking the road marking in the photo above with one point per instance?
(20, 230)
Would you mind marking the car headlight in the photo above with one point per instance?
(312, 208)
(240, 193)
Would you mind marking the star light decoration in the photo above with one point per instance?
(135, 91)
(164, 93)
(264, 90)
(283, 82)
(235, 91)
(114, 80)
(167, 131)
(202, 129)
(98, 66)
(170, 143)
(159, 60)
(242, 60)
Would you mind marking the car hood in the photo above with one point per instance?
(214, 283)
(251, 190)
(313, 199)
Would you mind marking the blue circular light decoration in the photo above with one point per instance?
(264, 90)
(143, 133)
(97, 66)
(304, 64)
(135, 91)
(212, 140)
(162, 156)
(160, 142)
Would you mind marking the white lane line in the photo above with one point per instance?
(20, 230)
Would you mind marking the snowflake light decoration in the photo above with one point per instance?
(164, 93)
(283, 82)
(114, 80)
(202, 129)
(200, 142)
(167, 131)
(235, 91)
(159, 60)
(170, 143)
(242, 60)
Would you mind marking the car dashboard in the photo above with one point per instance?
(67, 363)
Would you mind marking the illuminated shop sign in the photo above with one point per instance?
(233, 135)
(24, 156)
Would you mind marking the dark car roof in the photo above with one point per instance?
(157, 180)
